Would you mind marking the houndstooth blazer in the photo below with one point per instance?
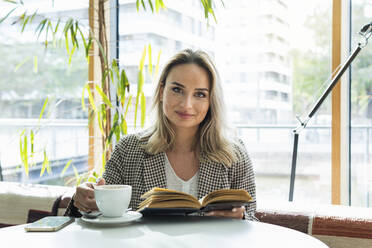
(130, 164)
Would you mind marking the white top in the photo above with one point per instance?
(176, 183)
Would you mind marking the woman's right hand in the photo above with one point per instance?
(84, 196)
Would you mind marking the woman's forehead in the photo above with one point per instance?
(189, 75)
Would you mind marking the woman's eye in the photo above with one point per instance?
(200, 94)
(177, 89)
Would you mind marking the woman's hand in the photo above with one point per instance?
(235, 213)
(84, 197)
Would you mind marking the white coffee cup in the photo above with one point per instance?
(112, 200)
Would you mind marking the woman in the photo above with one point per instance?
(187, 149)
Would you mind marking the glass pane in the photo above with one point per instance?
(361, 110)
(273, 57)
(182, 25)
(33, 73)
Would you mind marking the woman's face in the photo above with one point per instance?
(185, 96)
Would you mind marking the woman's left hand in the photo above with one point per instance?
(235, 213)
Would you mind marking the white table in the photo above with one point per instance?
(176, 231)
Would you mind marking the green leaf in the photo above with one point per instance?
(67, 45)
(25, 23)
(21, 147)
(102, 51)
(116, 68)
(223, 4)
(84, 40)
(137, 102)
(10, 1)
(151, 6)
(137, 5)
(88, 48)
(143, 4)
(112, 131)
(82, 97)
(20, 64)
(57, 25)
(117, 132)
(91, 117)
(75, 31)
(150, 60)
(55, 32)
(65, 168)
(25, 154)
(99, 117)
(204, 3)
(123, 84)
(141, 80)
(6, 16)
(105, 76)
(128, 104)
(71, 53)
(43, 109)
(45, 164)
(75, 171)
(35, 65)
(103, 95)
(157, 5)
(157, 65)
(143, 109)
(116, 117)
(32, 137)
(49, 26)
(66, 32)
(142, 61)
(68, 25)
(33, 16)
(40, 27)
(124, 126)
(103, 114)
(162, 4)
(91, 99)
(46, 34)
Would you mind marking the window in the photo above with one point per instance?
(271, 95)
(272, 69)
(32, 74)
(273, 57)
(361, 110)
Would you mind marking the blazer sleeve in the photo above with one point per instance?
(243, 178)
(111, 175)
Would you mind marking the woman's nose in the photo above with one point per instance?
(187, 101)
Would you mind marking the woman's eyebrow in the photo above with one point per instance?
(202, 89)
(178, 84)
(182, 86)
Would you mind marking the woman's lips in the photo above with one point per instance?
(184, 115)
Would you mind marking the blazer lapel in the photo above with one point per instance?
(154, 172)
(212, 176)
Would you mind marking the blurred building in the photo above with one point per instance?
(181, 25)
(254, 62)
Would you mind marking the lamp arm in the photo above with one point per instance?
(365, 32)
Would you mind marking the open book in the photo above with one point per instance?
(166, 201)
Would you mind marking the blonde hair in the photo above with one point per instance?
(212, 136)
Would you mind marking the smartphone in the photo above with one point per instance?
(49, 224)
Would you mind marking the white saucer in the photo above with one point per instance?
(126, 218)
